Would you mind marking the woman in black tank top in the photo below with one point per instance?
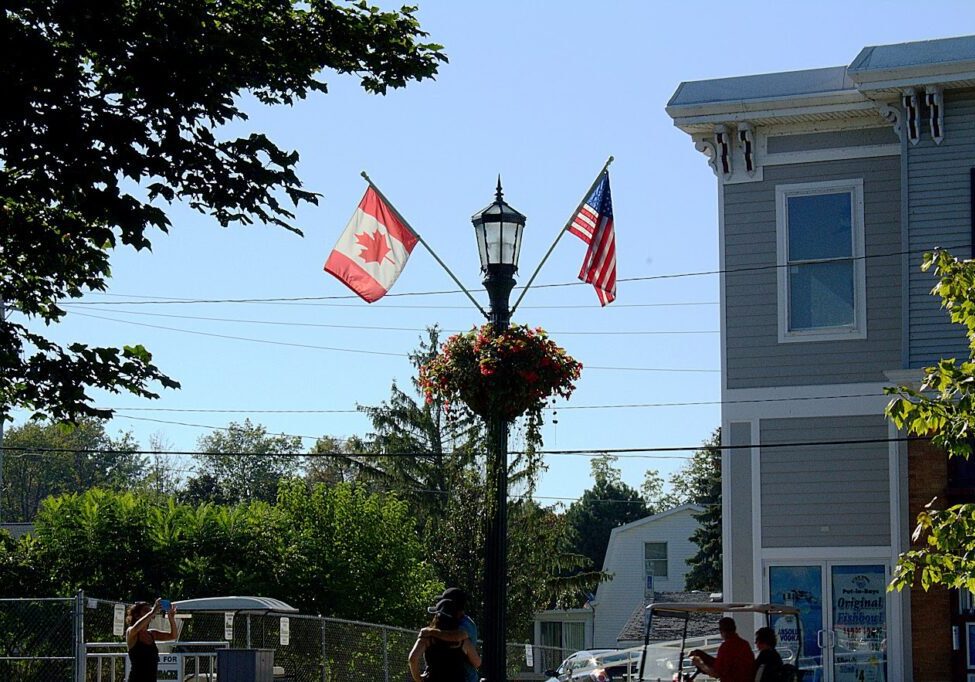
(141, 641)
(444, 659)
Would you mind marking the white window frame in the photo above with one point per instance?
(857, 330)
(665, 560)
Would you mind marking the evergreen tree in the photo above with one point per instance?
(608, 504)
(703, 477)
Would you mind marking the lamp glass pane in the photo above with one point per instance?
(493, 235)
(481, 244)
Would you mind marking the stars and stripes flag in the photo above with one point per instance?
(373, 249)
(593, 224)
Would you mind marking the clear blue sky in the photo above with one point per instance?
(541, 93)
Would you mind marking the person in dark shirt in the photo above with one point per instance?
(734, 662)
(141, 641)
(466, 627)
(768, 665)
(445, 661)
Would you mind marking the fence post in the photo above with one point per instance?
(79, 636)
(248, 631)
(386, 654)
(324, 652)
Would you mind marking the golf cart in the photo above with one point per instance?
(667, 661)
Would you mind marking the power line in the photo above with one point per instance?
(616, 406)
(193, 469)
(244, 338)
(381, 305)
(359, 350)
(587, 452)
(394, 329)
(646, 278)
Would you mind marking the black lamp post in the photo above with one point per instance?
(498, 229)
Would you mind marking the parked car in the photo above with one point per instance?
(599, 665)
(577, 662)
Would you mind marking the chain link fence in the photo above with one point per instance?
(37, 639)
(80, 639)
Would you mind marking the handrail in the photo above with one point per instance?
(222, 644)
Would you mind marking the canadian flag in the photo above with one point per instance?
(374, 248)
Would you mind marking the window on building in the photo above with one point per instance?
(655, 559)
(551, 634)
(821, 274)
(961, 474)
(966, 603)
(559, 639)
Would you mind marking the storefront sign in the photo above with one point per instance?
(859, 597)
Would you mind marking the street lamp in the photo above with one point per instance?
(498, 229)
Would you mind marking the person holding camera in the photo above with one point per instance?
(141, 641)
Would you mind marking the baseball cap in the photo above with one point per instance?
(444, 607)
(456, 595)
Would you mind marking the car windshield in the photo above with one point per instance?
(617, 658)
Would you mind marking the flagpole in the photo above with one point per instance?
(565, 229)
(422, 241)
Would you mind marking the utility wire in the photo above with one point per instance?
(358, 350)
(382, 328)
(587, 452)
(381, 305)
(646, 278)
(193, 469)
(617, 406)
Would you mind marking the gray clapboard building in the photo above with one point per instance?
(831, 184)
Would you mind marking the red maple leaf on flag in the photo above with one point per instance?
(374, 246)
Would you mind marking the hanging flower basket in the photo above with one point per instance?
(514, 372)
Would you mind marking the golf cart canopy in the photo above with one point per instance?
(684, 609)
(237, 604)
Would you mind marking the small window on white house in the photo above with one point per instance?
(821, 274)
(655, 559)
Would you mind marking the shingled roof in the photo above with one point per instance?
(665, 629)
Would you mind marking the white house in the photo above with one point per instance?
(652, 550)
(645, 556)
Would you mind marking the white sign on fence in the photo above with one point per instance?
(285, 631)
(118, 620)
(228, 626)
(529, 656)
(168, 663)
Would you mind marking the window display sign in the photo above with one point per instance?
(802, 587)
(859, 608)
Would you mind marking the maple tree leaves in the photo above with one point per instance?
(374, 246)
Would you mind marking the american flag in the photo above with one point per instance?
(593, 224)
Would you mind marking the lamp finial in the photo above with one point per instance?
(498, 195)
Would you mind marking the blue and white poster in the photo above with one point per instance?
(802, 587)
(859, 607)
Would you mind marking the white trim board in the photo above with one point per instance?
(818, 400)
(834, 154)
(756, 462)
(856, 553)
